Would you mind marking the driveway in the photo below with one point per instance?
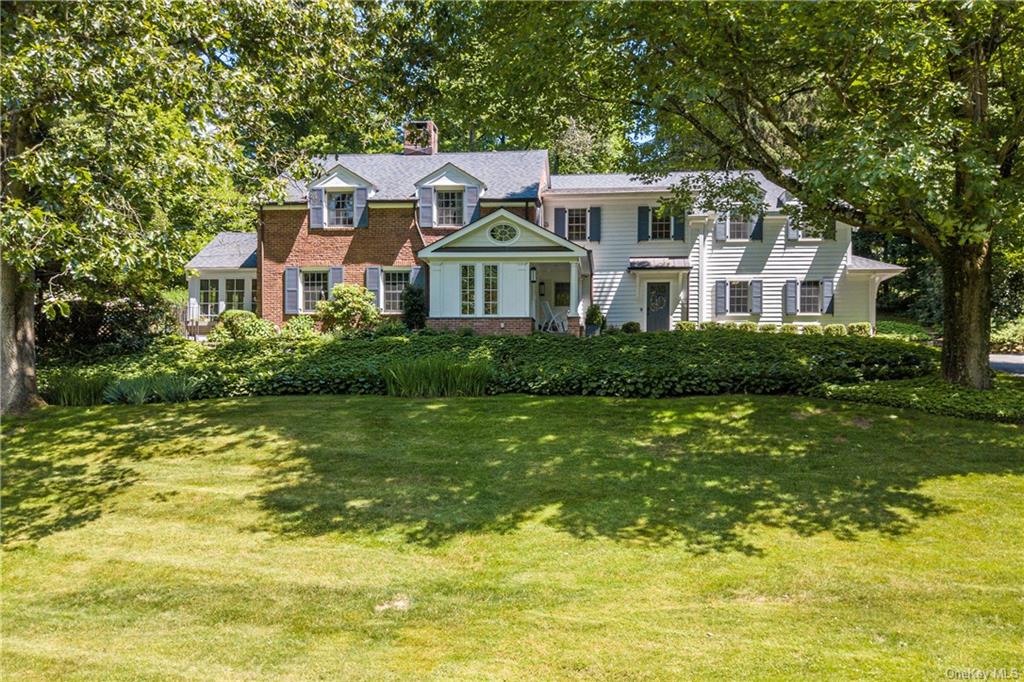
(1007, 362)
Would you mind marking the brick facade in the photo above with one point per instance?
(391, 239)
(488, 326)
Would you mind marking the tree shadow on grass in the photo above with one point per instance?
(703, 472)
(62, 466)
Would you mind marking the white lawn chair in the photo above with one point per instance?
(554, 322)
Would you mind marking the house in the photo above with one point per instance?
(502, 246)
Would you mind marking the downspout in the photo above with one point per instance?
(259, 263)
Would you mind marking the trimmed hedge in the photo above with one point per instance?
(654, 364)
(1004, 403)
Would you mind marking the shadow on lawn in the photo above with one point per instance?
(696, 471)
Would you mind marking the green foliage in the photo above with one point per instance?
(390, 327)
(859, 328)
(789, 328)
(173, 388)
(710, 361)
(594, 316)
(74, 387)
(899, 329)
(299, 327)
(1009, 338)
(768, 328)
(437, 376)
(414, 307)
(747, 326)
(1005, 402)
(466, 331)
(350, 307)
(710, 325)
(813, 330)
(685, 326)
(631, 328)
(130, 390)
(835, 330)
(234, 325)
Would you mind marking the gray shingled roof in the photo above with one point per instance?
(862, 263)
(612, 183)
(227, 250)
(507, 174)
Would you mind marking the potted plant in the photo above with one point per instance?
(594, 320)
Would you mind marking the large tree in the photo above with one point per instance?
(894, 117)
(129, 128)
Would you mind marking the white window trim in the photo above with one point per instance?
(436, 206)
(519, 233)
(728, 300)
(302, 287)
(480, 306)
(650, 226)
(221, 279)
(728, 229)
(799, 311)
(391, 268)
(586, 212)
(476, 288)
(328, 211)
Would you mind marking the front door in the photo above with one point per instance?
(658, 310)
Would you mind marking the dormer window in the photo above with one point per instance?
(449, 208)
(340, 209)
(740, 227)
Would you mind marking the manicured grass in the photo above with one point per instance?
(341, 537)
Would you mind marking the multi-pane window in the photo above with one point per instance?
(252, 295)
(395, 282)
(739, 297)
(740, 227)
(209, 297)
(490, 290)
(467, 286)
(661, 226)
(234, 294)
(449, 207)
(314, 288)
(576, 224)
(810, 297)
(562, 294)
(340, 209)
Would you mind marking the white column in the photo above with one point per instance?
(221, 294)
(574, 289)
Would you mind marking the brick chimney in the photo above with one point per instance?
(420, 138)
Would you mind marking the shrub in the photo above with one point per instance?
(835, 330)
(414, 307)
(235, 325)
(174, 388)
(907, 331)
(726, 324)
(436, 376)
(130, 391)
(631, 328)
(686, 326)
(706, 362)
(812, 330)
(72, 387)
(1009, 338)
(769, 329)
(789, 329)
(390, 328)
(594, 317)
(611, 331)
(466, 331)
(747, 326)
(350, 307)
(859, 328)
(299, 327)
(1004, 402)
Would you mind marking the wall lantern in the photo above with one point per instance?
(533, 275)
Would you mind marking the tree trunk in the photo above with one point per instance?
(17, 342)
(967, 302)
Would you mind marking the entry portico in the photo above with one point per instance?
(505, 274)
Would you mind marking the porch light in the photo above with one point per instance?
(533, 274)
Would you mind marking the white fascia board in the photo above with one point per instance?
(450, 175)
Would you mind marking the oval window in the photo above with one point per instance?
(504, 232)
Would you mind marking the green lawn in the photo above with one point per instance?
(510, 537)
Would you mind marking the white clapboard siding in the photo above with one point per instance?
(773, 260)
